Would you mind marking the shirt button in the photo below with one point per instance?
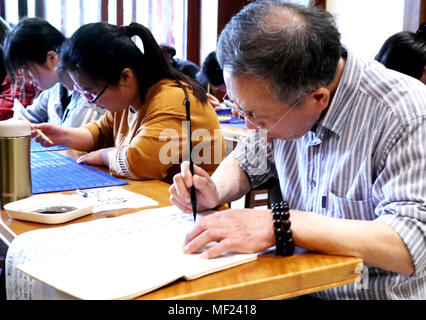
(313, 184)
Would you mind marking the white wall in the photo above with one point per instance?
(209, 15)
(366, 24)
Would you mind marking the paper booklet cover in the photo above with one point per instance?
(117, 258)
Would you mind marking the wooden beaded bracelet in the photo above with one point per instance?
(284, 245)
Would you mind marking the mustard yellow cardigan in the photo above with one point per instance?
(152, 142)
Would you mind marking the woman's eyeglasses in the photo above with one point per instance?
(91, 98)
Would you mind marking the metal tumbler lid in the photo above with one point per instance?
(14, 128)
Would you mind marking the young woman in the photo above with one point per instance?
(143, 135)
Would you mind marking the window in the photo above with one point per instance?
(366, 24)
(167, 19)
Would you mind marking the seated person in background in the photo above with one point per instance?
(11, 89)
(211, 75)
(185, 66)
(16, 88)
(406, 52)
(33, 46)
(3, 72)
(143, 135)
(344, 136)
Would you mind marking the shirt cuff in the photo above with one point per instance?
(256, 158)
(118, 163)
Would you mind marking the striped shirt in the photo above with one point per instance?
(365, 161)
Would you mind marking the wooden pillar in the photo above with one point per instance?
(40, 9)
(422, 17)
(22, 9)
(193, 31)
(120, 12)
(2, 9)
(227, 9)
(321, 3)
(104, 10)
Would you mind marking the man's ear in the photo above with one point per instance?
(321, 98)
(52, 59)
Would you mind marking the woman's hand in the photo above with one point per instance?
(217, 105)
(96, 158)
(44, 131)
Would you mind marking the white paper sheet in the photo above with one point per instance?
(112, 258)
(19, 111)
(116, 198)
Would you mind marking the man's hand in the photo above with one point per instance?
(241, 230)
(206, 192)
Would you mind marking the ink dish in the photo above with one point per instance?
(50, 208)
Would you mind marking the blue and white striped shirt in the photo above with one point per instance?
(366, 161)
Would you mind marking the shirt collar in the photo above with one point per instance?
(342, 103)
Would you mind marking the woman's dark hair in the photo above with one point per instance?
(30, 41)
(405, 52)
(101, 51)
(211, 72)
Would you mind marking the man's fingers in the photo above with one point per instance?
(179, 189)
(196, 231)
(200, 172)
(199, 241)
(201, 183)
(186, 173)
(181, 205)
(206, 231)
(218, 249)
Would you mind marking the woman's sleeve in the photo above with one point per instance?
(102, 131)
(147, 156)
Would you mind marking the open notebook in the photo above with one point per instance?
(116, 258)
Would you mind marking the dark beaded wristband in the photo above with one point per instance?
(284, 245)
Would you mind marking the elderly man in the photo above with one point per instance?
(345, 137)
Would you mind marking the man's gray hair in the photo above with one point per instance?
(293, 47)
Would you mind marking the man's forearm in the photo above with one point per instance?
(374, 242)
(231, 182)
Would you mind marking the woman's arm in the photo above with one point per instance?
(74, 138)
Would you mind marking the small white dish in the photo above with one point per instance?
(50, 208)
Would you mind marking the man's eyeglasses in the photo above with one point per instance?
(91, 98)
(249, 116)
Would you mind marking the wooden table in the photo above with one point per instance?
(269, 277)
(157, 190)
